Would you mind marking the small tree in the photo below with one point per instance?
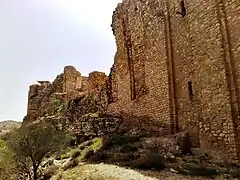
(33, 143)
(6, 157)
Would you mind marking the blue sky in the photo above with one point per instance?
(39, 37)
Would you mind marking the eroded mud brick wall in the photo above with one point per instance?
(181, 67)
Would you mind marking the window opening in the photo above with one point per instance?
(190, 90)
(183, 9)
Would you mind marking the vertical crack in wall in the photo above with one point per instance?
(171, 72)
(128, 47)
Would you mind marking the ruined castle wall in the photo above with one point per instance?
(38, 97)
(141, 65)
(67, 86)
(181, 71)
(58, 83)
(96, 81)
(72, 79)
(111, 86)
(84, 84)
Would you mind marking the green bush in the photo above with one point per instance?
(7, 162)
(6, 156)
(96, 144)
(31, 144)
(85, 144)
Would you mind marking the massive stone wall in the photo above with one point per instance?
(141, 78)
(181, 69)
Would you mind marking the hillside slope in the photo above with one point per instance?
(6, 126)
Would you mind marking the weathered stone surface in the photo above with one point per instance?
(72, 79)
(37, 100)
(111, 86)
(181, 71)
(96, 81)
(58, 83)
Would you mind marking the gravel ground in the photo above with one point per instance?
(112, 172)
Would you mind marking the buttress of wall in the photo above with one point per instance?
(141, 65)
(231, 13)
(200, 63)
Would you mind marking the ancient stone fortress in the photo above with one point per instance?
(68, 85)
(177, 63)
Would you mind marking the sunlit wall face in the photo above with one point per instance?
(38, 38)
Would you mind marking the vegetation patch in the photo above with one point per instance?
(96, 144)
(32, 144)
